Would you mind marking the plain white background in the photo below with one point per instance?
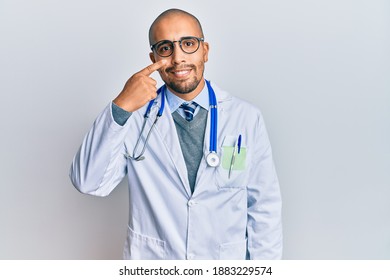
(318, 70)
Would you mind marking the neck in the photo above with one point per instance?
(191, 95)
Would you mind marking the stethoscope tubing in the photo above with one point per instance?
(214, 120)
(146, 116)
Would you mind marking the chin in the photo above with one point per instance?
(183, 87)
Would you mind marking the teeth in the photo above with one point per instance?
(181, 72)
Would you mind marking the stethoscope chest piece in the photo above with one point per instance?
(212, 159)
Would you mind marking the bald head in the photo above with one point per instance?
(172, 13)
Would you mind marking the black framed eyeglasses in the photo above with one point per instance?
(188, 45)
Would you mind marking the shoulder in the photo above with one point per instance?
(234, 104)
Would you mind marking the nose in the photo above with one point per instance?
(178, 56)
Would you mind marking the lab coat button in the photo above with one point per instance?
(191, 203)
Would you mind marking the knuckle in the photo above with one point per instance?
(135, 77)
(153, 94)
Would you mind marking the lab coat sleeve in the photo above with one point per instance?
(264, 227)
(100, 163)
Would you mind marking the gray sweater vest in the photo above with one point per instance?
(191, 136)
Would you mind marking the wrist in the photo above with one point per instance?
(123, 105)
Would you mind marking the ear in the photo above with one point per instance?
(152, 58)
(206, 48)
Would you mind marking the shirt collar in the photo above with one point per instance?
(174, 102)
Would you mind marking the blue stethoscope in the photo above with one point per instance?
(212, 158)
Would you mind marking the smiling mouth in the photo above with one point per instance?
(181, 73)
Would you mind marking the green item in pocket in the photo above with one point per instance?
(239, 163)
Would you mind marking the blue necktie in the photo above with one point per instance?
(189, 110)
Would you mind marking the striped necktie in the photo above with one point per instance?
(189, 110)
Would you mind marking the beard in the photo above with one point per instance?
(184, 86)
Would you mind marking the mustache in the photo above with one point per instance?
(180, 67)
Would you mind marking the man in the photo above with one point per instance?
(184, 203)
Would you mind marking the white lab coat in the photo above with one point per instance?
(236, 218)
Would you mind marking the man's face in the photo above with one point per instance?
(183, 73)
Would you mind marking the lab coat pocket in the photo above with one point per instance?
(142, 247)
(232, 172)
(233, 250)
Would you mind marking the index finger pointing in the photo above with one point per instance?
(152, 67)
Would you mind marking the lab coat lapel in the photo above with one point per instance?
(167, 130)
(203, 164)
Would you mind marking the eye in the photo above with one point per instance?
(164, 48)
(189, 42)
